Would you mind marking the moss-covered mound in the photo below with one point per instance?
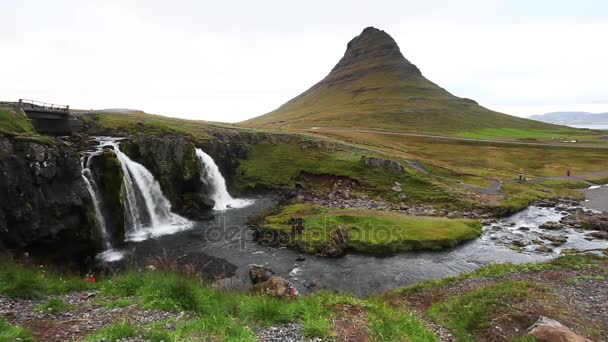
(316, 229)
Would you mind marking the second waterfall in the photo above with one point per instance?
(212, 176)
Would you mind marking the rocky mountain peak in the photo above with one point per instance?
(375, 50)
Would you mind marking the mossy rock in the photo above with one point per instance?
(108, 176)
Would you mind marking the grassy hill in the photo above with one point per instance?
(375, 87)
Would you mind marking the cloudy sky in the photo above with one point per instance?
(232, 60)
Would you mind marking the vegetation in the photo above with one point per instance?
(17, 125)
(467, 313)
(300, 161)
(564, 184)
(9, 333)
(368, 231)
(53, 305)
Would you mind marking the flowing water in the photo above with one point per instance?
(212, 176)
(224, 246)
(91, 186)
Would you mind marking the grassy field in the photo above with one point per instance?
(369, 231)
(469, 305)
(284, 163)
(134, 122)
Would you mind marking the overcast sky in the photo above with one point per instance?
(233, 60)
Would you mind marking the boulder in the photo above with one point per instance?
(549, 330)
(260, 274)
(551, 225)
(276, 286)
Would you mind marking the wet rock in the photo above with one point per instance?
(260, 274)
(523, 228)
(276, 286)
(300, 258)
(551, 225)
(543, 249)
(599, 235)
(555, 240)
(520, 243)
(332, 251)
(549, 330)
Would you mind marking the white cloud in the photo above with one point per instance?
(228, 61)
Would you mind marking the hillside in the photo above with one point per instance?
(374, 87)
(572, 118)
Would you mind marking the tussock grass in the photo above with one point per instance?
(53, 305)
(9, 333)
(470, 312)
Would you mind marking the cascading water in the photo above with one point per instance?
(148, 211)
(217, 184)
(92, 189)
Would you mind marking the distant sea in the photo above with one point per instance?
(601, 126)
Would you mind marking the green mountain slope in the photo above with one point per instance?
(375, 87)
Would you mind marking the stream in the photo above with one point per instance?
(224, 247)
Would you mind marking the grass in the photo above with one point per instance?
(471, 312)
(291, 161)
(503, 269)
(53, 305)
(556, 134)
(370, 231)
(564, 184)
(576, 279)
(23, 282)
(115, 332)
(14, 123)
(135, 122)
(9, 333)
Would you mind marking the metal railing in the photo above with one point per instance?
(23, 103)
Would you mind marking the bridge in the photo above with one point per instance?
(48, 118)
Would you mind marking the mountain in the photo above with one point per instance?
(572, 118)
(374, 87)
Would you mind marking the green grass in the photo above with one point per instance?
(114, 332)
(500, 270)
(53, 305)
(23, 282)
(9, 333)
(135, 122)
(564, 184)
(557, 135)
(473, 311)
(118, 303)
(285, 163)
(14, 123)
(576, 279)
(371, 231)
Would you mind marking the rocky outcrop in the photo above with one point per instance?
(549, 330)
(43, 199)
(391, 165)
(108, 176)
(276, 286)
(173, 162)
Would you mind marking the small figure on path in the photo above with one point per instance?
(568, 173)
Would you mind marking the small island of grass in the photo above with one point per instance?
(315, 229)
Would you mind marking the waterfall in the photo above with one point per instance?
(148, 211)
(217, 184)
(95, 198)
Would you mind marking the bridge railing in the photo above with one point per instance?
(23, 103)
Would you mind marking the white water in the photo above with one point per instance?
(148, 211)
(217, 184)
(92, 189)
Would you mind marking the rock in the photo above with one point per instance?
(551, 225)
(396, 188)
(276, 286)
(543, 249)
(519, 243)
(260, 274)
(555, 240)
(300, 258)
(332, 251)
(599, 235)
(549, 330)
(524, 228)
